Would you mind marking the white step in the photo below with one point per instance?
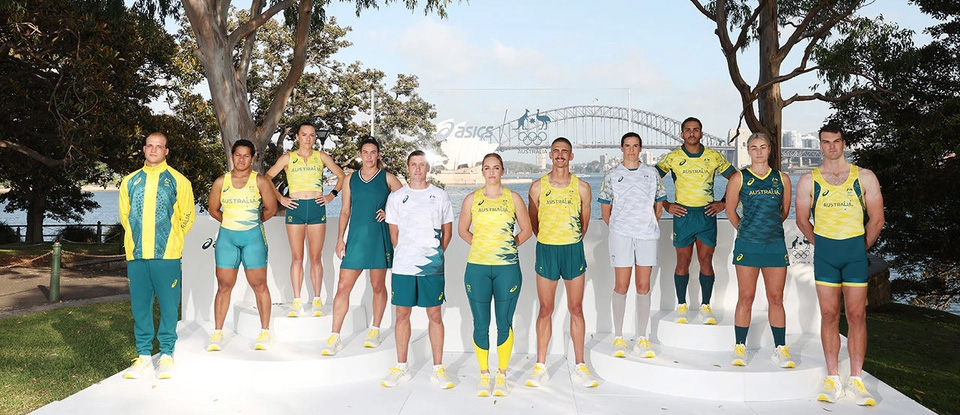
(709, 374)
(720, 337)
(296, 329)
(296, 363)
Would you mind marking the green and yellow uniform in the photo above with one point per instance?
(693, 177)
(839, 213)
(368, 243)
(493, 273)
(241, 238)
(760, 240)
(560, 237)
(156, 211)
(305, 175)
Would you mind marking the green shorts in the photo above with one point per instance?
(556, 261)
(498, 282)
(412, 290)
(696, 224)
(839, 263)
(307, 212)
(760, 255)
(248, 247)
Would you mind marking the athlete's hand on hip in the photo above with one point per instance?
(381, 215)
(716, 207)
(340, 250)
(288, 202)
(324, 199)
(677, 210)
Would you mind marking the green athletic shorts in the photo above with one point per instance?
(307, 212)
(840, 262)
(248, 247)
(413, 290)
(499, 282)
(759, 255)
(556, 261)
(696, 224)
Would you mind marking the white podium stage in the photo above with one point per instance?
(691, 373)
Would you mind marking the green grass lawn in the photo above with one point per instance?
(917, 352)
(51, 355)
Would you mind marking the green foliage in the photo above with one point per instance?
(77, 233)
(910, 137)
(7, 234)
(114, 234)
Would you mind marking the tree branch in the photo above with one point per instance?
(745, 30)
(256, 8)
(33, 154)
(275, 111)
(255, 22)
(703, 10)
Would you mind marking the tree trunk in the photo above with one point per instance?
(770, 102)
(36, 209)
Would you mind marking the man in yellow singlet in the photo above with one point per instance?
(840, 196)
(560, 214)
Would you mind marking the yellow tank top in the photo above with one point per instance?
(838, 211)
(493, 222)
(305, 174)
(240, 205)
(559, 213)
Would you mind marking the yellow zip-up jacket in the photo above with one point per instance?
(156, 211)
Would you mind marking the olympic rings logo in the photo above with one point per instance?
(533, 138)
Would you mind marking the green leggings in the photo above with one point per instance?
(149, 278)
(501, 284)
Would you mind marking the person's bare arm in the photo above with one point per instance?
(873, 200)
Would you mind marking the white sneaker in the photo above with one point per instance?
(538, 376)
(483, 388)
(296, 309)
(264, 340)
(373, 338)
(781, 355)
(681, 314)
(440, 378)
(333, 346)
(215, 343)
(860, 394)
(739, 355)
(140, 367)
(707, 314)
(832, 389)
(619, 347)
(582, 374)
(500, 385)
(317, 307)
(644, 348)
(165, 367)
(395, 376)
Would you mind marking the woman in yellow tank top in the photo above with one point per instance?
(241, 200)
(493, 268)
(306, 210)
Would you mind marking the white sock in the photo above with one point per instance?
(619, 302)
(402, 366)
(643, 314)
(437, 367)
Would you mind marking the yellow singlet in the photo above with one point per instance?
(838, 211)
(559, 213)
(240, 205)
(493, 222)
(305, 174)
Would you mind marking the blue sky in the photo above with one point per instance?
(493, 56)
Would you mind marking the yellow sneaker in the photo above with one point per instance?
(483, 388)
(582, 374)
(373, 338)
(781, 355)
(215, 343)
(739, 355)
(681, 314)
(619, 347)
(644, 348)
(395, 376)
(141, 365)
(500, 385)
(317, 307)
(538, 376)
(832, 389)
(296, 309)
(860, 394)
(440, 378)
(165, 367)
(707, 314)
(333, 345)
(264, 340)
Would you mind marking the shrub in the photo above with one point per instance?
(77, 233)
(7, 234)
(113, 235)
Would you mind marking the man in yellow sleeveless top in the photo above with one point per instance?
(840, 196)
(560, 214)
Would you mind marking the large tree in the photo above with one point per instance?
(226, 52)
(911, 141)
(806, 24)
(76, 80)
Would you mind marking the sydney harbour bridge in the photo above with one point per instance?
(597, 126)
